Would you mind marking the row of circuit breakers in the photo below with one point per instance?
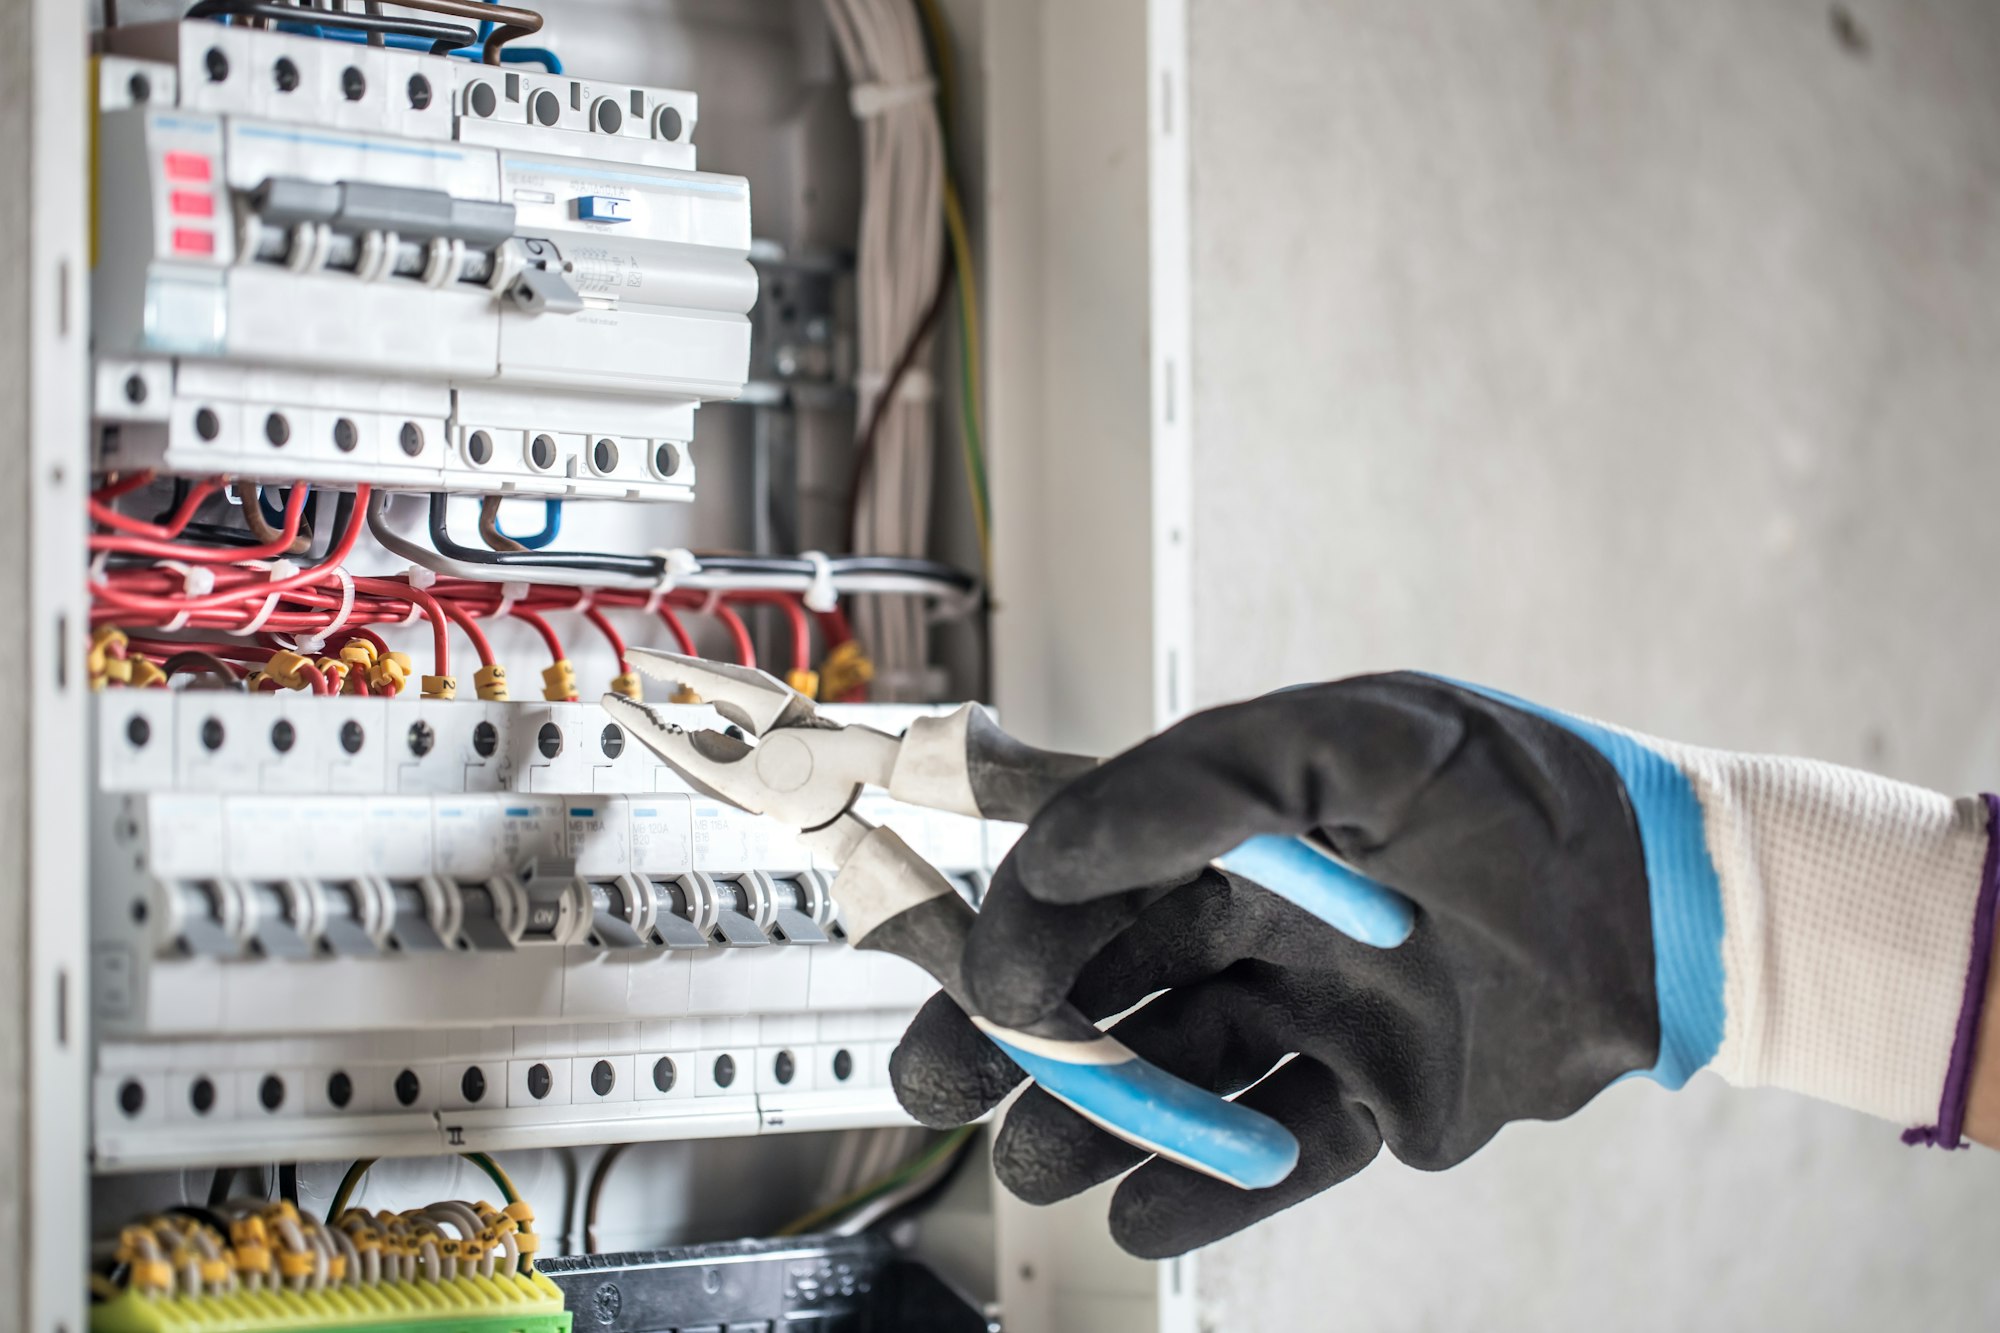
(365, 925)
(322, 261)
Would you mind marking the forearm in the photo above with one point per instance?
(1982, 1103)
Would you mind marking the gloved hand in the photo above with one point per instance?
(1590, 905)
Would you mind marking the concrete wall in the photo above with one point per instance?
(1643, 359)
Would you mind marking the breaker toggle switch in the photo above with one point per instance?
(800, 908)
(542, 287)
(615, 915)
(555, 901)
(276, 912)
(347, 909)
(681, 907)
(411, 927)
(739, 901)
(206, 917)
(482, 920)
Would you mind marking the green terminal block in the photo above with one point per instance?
(510, 1303)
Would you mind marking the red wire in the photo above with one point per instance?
(434, 610)
(541, 627)
(122, 485)
(679, 631)
(249, 588)
(315, 678)
(795, 615)
(295, 508)
(746, 652)
(175, 524)
(611, 635)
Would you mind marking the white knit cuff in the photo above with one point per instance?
(1848, 903)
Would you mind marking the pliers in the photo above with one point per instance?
(783, 760)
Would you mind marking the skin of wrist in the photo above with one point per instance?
(1982, 1098)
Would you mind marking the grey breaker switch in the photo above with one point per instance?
(480, 924)
(410, 925)
(199, 907)
(677, 911)
(798, 905)
(552, 890)
(612, 916)
(361, 206)
(736, 914)
(273, 930)
(343, 916)
(541, 291)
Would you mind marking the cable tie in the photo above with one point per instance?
(586, 598)
(196, 581)
(510, 593)
(277, 569)
(100, 565)
(676, 564)
(820, 594)
(714, 600)
(869, 100)
(312, 643)
(916, 386)
(417, 576)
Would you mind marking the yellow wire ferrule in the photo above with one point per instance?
(805, 682)
(440, 687)
(626, 684)
(284, 668)
(559, 681)
(491, 683)
(845, 670)
(390, 673)
(144, 673)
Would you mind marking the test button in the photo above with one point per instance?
(603, 208)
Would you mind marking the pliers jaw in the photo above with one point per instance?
(712, 762)
(754, 700)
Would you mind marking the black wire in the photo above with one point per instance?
(343, 516)
(596, 562)
(288, 1182)
(218, 1188)
(444, 37)
(161, 519)
(208, 1217)
(196, 661)
(652, 567)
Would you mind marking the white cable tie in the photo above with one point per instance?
(312, 643)
(675, 565)
(916, 386)
(869, 100)
(820, 594)
(417, 576)
(196, 581)
(277, 569)
(510, 593)
(714, 600)
(100, 565)
(586, 598)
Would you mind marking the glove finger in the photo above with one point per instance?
(1162, 1210)
(1024, 955)
(1219, 1035)
(1350, 754)
(945, 1071)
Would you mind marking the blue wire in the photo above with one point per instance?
(275, 516)
(512, 55)
(551, 527)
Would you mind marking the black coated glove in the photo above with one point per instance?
(1527, 986)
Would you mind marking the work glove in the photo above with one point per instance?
(1590, 905)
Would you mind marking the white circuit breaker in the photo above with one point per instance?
(351, 925)
(332, 262)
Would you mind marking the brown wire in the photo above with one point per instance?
(197, 662)
(509, 22)
(489, 527)
(864, 445)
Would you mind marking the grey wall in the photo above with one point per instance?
(1643, 359)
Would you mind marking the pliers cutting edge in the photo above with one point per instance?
(807, 771)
